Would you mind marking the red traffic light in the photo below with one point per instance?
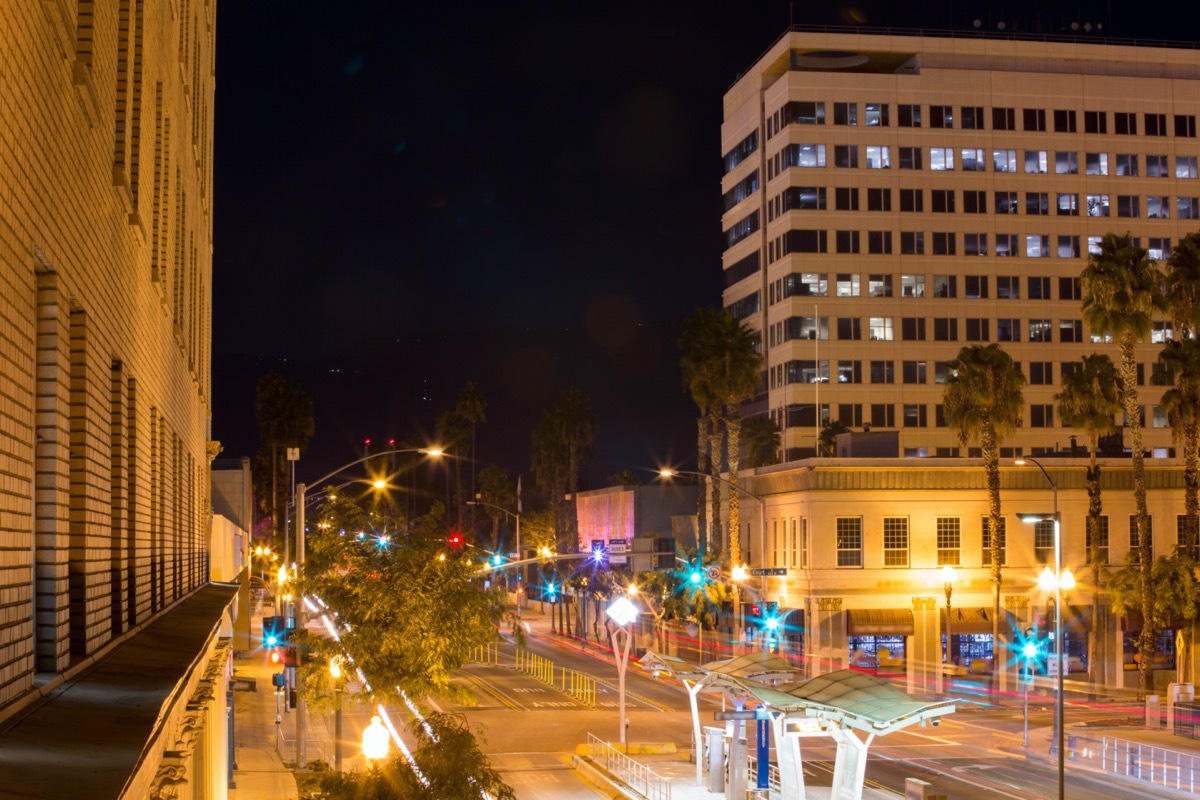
(455, 540)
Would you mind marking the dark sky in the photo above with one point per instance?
(521, 194)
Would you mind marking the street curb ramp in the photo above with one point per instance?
(602, 780)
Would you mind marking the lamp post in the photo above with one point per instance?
(622, 612)
(1058, 638)
(335, 672)
(301, 755)
(948, 580)
(1029, 650)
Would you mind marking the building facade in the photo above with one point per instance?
(863, 545)
(106, 264)
(889, 199)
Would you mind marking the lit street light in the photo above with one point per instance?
(375, 741)
(1058, 632)
(622, 612)
(335, 672)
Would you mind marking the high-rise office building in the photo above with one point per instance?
(890, 198)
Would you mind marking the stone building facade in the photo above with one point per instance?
(106, 135)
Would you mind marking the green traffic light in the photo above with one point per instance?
(696, 577)
(772, 624)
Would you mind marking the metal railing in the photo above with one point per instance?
(286, 748)
(1142, 762)
(637, 776)
(772, 775)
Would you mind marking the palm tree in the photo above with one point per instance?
(983, 401)
(452, 429)
(1183, 285)
(285, 419)
(828, 439)
(698, 344)
(1087, 402)
(1121, 295)
(762, 441)
(1180, 360)
(739, 374)
(472, 406)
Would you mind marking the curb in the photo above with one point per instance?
(633, 748)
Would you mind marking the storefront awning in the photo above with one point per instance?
(791, 620)
(978, 621)
(879, 622)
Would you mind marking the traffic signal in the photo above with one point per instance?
(497, 560)
(455, 540)
(550, 592)
(275, 640)
(695, 574)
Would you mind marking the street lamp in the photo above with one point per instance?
(1058, 637)
(622, 612)
(948, 580)
(335, 672)
(375, 741)
(301, 758)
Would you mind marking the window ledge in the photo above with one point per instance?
(85, 87)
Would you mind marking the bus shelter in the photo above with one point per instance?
(848, 706)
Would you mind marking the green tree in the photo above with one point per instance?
(625, 477)
(983, 401)
(472, 406)
(762, 441)
(1121, 295)
(1088, 401)
(496, 490)
(412, 618)
(1176, 594)
(829, 433)
(447, 754)
(285, 419)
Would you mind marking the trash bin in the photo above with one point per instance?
(1072, 744)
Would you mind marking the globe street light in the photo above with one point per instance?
(375, 741)
(623, 612)
(1058, 637)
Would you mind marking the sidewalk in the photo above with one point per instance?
(259, 769)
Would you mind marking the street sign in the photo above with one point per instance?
(714, 573)
(768, 572)
(618, 546)
(618, 560)
(728, 715)
(597, 544)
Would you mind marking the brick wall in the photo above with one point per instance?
(105, 320)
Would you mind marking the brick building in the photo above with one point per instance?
(105, 315)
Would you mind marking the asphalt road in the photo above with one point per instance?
(529, 729)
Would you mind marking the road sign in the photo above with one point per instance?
(728, 715)
(714, 573)
(618, 545)
(597, 544)
(768, 572)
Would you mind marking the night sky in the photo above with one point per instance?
(523, 194)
